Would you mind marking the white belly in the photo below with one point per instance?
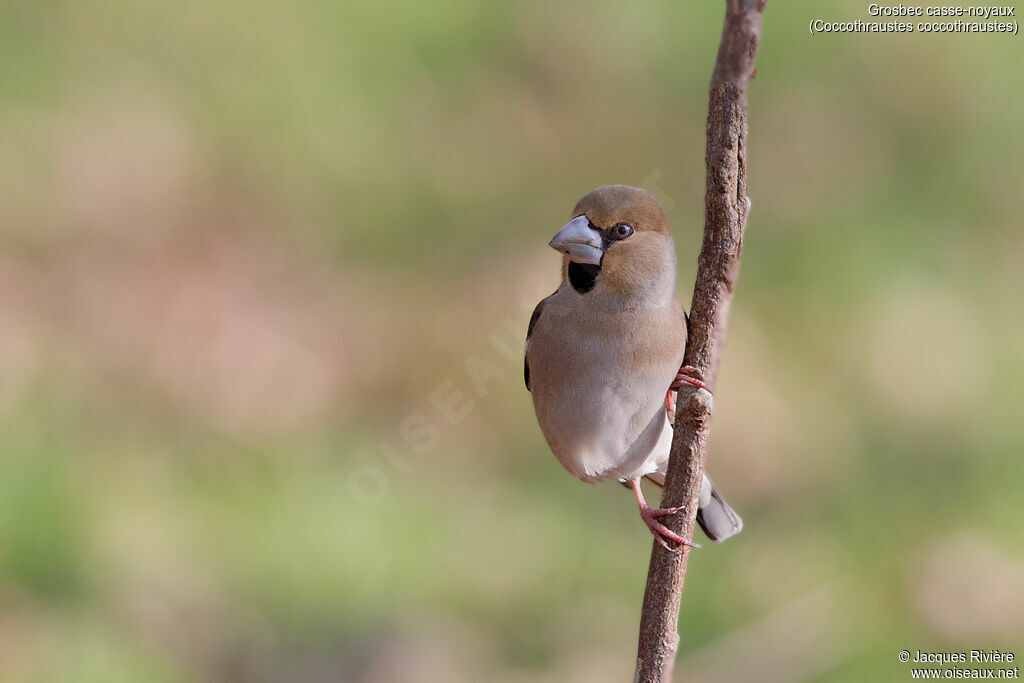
(599, 395)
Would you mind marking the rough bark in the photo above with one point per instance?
(725, 207)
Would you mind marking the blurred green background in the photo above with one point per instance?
(242, 246)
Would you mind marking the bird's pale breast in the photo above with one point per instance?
(598, 379)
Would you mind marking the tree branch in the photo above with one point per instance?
(725, 208)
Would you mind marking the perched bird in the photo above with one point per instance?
(603, 353)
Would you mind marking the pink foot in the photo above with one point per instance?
(662, 534)
(660, 531)
(682, 377)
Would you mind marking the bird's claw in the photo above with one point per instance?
(683, 377)
(660, 531)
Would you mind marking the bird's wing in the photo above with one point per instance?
(529, 333)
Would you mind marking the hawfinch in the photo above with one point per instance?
(603, 353)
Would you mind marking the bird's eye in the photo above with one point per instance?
(621, 231)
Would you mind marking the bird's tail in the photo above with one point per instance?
(716, 518)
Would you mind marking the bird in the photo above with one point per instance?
(604, 353)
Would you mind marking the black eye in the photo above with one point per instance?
(621, 231)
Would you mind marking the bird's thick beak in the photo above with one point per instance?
(579, 242)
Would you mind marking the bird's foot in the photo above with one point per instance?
(662, 534)
(683, 377)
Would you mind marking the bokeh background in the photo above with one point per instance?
(264, 275)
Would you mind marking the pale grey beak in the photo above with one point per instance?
(579, 242)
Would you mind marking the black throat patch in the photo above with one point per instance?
(583, 276)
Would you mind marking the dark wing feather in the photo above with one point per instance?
(529, 333)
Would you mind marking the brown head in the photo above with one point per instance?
(619, 237)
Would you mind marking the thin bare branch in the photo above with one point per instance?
(725, 207)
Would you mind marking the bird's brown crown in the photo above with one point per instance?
(611, 204)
